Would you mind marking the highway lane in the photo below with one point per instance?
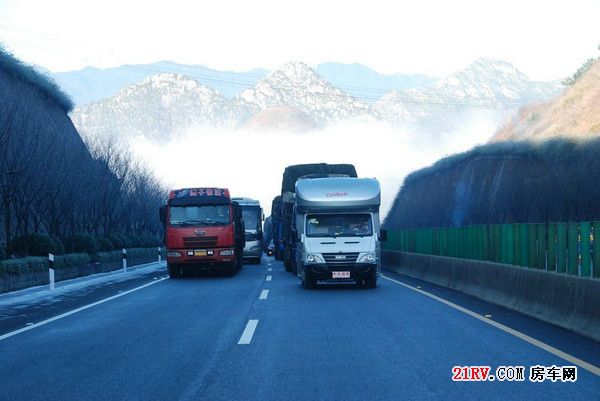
(178, 339)
(150, 344)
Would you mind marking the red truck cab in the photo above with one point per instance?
(203, 230)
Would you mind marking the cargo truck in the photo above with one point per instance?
(253, 216)
(277, 228)
(268, 236)
(203, 230)
(336, 230)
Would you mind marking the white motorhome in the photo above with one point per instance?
(337, 230)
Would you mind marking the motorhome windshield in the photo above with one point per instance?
(251, 217)
(205, 215)
(338, 225)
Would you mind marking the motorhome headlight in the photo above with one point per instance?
(313, 258)
(173, 254)
(255, 248)
(367, 258)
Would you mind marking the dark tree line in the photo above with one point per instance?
(510, 182)
(581, 70)
(50, 182)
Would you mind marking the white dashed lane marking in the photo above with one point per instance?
(264, 294)
(246, 337)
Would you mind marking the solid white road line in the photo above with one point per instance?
(264, 294)
(72, 312)
(248, 332)
(583, 364)
(269, 278)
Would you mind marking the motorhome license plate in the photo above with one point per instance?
(340, 274)
(201, 252)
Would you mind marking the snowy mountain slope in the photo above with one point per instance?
(486, 84)
(296, 98)
(93, 84)
(298, 86)
(159, 107)
(281, 119)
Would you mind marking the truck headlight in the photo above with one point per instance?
(227, 252)
(313, 258)
(173, 254)
(367, 258)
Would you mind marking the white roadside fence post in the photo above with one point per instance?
(159, 254)
(51, 271)
(124, 259)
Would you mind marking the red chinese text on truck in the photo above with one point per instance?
(203, 230)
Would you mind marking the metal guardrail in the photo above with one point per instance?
(567, 248)
(46, 271)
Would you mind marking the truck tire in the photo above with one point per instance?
(231, 269)
(175, 271)
(308, 282)
(371, 282)
(289, 261)
(287, 264)
(293, 267)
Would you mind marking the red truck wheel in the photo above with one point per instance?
(231, 269)
(175, 271)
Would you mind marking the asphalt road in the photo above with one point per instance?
(193, 339)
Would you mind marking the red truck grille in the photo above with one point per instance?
(200, 242)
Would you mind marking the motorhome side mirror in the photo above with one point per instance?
(383, 234)
(162, 213)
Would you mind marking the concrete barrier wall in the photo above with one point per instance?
(567, 301)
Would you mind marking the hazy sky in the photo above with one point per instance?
(545, 39)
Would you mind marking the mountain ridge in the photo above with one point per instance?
(158, 107)
(296, 93)
(574, 113)
(92, 84)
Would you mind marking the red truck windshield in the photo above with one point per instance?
(204, 215)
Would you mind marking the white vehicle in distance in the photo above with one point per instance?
(253, 216)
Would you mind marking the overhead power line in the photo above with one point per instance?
(400, 98)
